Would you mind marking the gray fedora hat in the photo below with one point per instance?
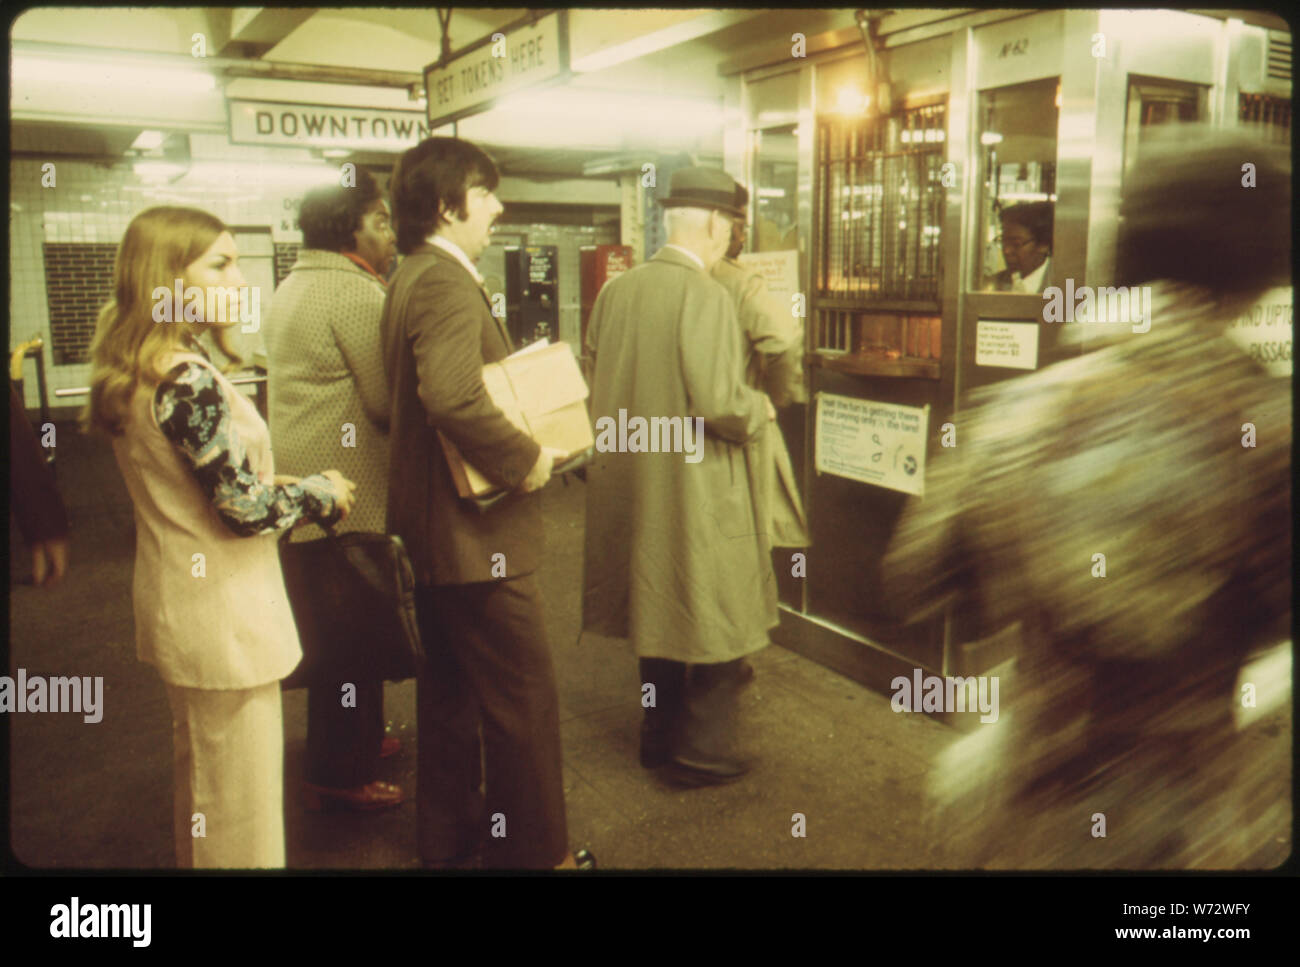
(697, 187)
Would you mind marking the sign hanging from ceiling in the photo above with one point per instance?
(320, 126)
(523, 56)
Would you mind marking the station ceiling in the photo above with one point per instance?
(375, 57)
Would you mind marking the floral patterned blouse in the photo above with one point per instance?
(193, 414)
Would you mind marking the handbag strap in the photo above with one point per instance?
(288, 532)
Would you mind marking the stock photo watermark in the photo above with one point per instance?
(659, 434)
(1106, 304)
(214, 304)
(930, 693)
(82, 695)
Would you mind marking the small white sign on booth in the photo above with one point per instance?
(1010, 345)
(780, 269)
(876, 443)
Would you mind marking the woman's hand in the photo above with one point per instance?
(344, 491)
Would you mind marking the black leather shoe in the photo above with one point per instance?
(659, 724)
(695, 772)
(585, 859)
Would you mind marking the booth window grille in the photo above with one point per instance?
(1272, 112)
(880, 200)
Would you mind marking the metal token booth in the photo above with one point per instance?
(880, 162)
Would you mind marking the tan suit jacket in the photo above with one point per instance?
(229, 625)
(438, 331)
(773, 363)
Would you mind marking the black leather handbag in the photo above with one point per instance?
(353, 600)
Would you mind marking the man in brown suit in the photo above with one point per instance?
(477, 602)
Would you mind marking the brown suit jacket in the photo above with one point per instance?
(438, 331)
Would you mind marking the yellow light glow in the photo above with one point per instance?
(851, 100)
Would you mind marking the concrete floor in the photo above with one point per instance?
(99, 796)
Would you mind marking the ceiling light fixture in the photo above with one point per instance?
(107, 74)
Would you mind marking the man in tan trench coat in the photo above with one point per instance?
(677, 553)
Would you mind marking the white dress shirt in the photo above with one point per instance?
(455, 251)
(1031, 283)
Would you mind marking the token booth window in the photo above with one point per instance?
(1017, 149)
(776, 221)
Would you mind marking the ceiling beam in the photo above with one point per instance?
(232, 67)
(604, 38)
(255, 30)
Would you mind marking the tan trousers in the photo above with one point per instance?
(228, 767)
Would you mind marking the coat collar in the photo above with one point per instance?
(316, 259)
(676, 258)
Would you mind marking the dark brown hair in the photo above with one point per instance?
(330, 215)
(1036, 217)
(433, 175)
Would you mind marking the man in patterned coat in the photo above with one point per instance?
(328, 406)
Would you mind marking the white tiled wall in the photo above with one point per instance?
(95, 203)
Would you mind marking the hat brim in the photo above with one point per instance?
(671, 202)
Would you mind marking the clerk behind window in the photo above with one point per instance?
(1026, 248)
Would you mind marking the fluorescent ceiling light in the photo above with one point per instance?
(701, 23)
(108, 74)
(564, 116)
(148, 141)
(616, 54)
(158, 170)
(245, 173)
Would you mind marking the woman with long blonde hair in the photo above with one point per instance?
(211, 610)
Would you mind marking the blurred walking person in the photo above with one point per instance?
(1131, 510)
(211, 611)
